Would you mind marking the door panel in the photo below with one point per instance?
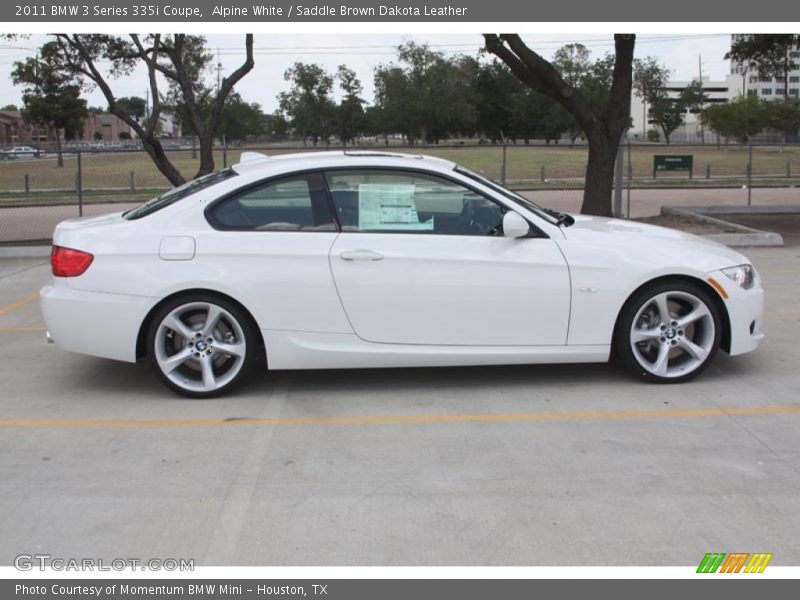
(452, 289)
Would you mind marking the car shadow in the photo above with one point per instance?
(114, 378)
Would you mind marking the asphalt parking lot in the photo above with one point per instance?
(531, 465)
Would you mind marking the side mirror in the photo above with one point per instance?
(514, 226)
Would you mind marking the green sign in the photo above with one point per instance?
(673, 162)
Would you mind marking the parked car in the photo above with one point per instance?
(369, 259)
(22, 152)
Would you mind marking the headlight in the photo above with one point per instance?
(744, 275)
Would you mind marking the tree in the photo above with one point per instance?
(497, 95)
(351, 108)
(181, 59)
(667, 113)
(51, 96)
(740, 119)
(603, 126)
(308, 104)
(10, 107)
(133, 106)
(649, 80)
(782, 116)
(425, 96)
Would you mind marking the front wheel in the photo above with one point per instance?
(201, 345)
(668, 332)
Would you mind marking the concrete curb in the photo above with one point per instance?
(25, 251)
(743, 236)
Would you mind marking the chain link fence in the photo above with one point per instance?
(36, 193)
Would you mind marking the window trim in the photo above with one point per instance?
(215, 223)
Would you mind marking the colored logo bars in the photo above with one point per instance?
(736, 562)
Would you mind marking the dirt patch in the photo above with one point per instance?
(686, 224)
(787, 224)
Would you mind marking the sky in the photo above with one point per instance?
(363, 52)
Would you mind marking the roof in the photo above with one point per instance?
(254, 162)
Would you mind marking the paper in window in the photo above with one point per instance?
(387, 206)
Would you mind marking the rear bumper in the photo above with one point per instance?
(98, 324)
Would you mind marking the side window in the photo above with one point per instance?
(378, 200)
(297, 203)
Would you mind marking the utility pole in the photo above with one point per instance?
(218, 68)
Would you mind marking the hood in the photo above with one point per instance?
(645, 239)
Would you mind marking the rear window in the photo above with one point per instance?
(179, 193)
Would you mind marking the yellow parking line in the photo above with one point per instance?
(4, 310)
(403, 419)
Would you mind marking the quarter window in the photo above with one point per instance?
(378, 200)
(296, 203)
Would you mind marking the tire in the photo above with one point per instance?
(674, 349)
(196, 358)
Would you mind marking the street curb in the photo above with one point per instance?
(744, 236)
(25, 251)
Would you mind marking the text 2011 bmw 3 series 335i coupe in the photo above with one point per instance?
(365, 259)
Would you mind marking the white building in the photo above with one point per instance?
(715, 91)
(741, 80)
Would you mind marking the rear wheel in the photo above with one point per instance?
(668, 332)
(201, 345)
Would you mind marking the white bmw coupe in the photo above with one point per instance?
(372, 259)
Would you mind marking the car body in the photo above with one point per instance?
(21, 151)
(370, 259)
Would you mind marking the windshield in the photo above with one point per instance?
(529, 204)
(178, 193)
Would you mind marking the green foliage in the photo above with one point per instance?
(133, 106)
(308, 105)
(739, 119)
(350, 112)
(425, 96)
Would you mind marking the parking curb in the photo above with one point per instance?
(744, 236)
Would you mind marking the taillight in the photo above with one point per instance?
(68, 262)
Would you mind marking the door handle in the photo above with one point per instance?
(353, 255)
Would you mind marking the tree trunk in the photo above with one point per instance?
(156, 152)
(206, 155)
(599, 175)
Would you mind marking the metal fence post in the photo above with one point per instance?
(750, 174)
(28, 183)
(630, 180)
(618, 180)
(224, 152)
(80, 186)
(543, 174)
(708, 171)
(133, 185)
(788, 169)
(503, 168)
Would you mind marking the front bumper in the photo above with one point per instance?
(98, 324)
(745, 313)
